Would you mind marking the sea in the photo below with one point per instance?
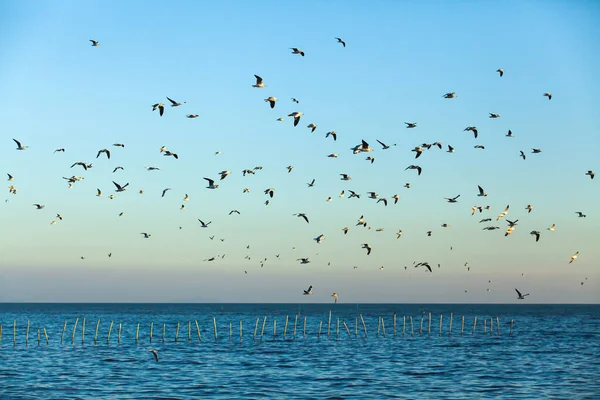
(325, 351)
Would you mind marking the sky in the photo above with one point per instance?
(400, 58)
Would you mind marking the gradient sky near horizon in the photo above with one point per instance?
(401, 57)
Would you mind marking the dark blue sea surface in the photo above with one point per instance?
(553, 352)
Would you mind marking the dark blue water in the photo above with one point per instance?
(553, 352)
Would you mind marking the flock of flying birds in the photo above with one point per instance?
(270, 193)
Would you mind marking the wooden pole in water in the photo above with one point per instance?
(177, 333)
(263, 327)
(274, 328)
(450, 328)
(347, 330)
(421, 326)
(109, 331)
(62, 337)
(378, 325)
(83, 332)
(74, 329)
(403, 325)
(363, 324)
(394, 324)
(337, 329)
(498, 325)
(304, 327)
(119, 334)
(0, 332)
(295, 323)
(164, 331)
(320, 326)
(39, 336)
(95, 336)
(230, 331)
(137, 332)
(382, 327)
(329, 324)
(15, 332)
(27, 334)
(151, 326)
(412, 331)
(429, 328)
(485, 326)
(285, 327)
(356, 328)
(441, 324)
(511, 326)
(474, 325)
(46, 335)
(215, 328)
(189, 331)
(198, 329)
(491, 326)
(241, 331)
(255, 328)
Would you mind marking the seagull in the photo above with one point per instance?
(485, 220)
(407, 185)
(119, 145)
(259, 82)
(271, 100)
(510, 134)
(61, 150)
(424, 264)
(345, 177)
(302, 215)
(398, 234)
(522, 155)
(99, 194)
(319, 238)
(492, 115)
(500, 71)
(451, 95)
(573, 257)
(119, 187)
(39, 206)
(303, 260)
(335, 297)
(192, 116)
(537, 235)
(270, 192)
(203, 224)
(104, 151)
(419, 169)
(353, 194)
(186, 198)
(280, 119)
(10, 177)
(363, 147)
(165, 191)
(366, 246)
(95, 43)
(312, 127)
(580, 214)
(211, 183)
(452, 199)
(535, 151)
(548, 95)
(312, 183)
(174, 103)
(552, 227)
(343, 44)
(309, 291)
(529, 208)
(146, 235)
(345, 230)
(591, 174)
(411, 124)
(152, 168)
(295, 50)
(169, 153)
(384, 201)
(224, 174)
(383, 145)
(155, 353)
(333, 134)
(296, 115)
(396, 198)
(478, 146)
(482, 192)
(521, 296)
(121, 214)
(19, 146)
(418, 150)
(289, 168)
(160, 106)
(234, 211)
(333, 155)
(372, 195)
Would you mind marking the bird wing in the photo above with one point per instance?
(258, 79)
(172, 101)
(305, 217)
(480, 190)
(210, 181)
(519, 293)
(365, 145)
(117, 185)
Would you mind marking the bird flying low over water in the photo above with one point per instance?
(308, 292)
(521, 296)
(160, 107)
(154, 353)
(335, 297)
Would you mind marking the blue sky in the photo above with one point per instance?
(400, 58)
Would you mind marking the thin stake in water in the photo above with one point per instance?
(63, 332)
(74, 329)
(109, 331)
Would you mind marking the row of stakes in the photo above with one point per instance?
(380, 329)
